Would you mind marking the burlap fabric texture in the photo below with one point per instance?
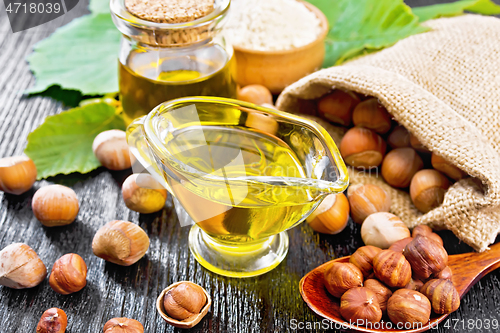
(444, 87)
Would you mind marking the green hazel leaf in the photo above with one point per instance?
(63, 143)
(99, 6)
(485, 7)
(82, 55)
(361, 25)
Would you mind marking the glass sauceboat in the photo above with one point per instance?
(240, 174)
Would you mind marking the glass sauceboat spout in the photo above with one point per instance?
(241, 174)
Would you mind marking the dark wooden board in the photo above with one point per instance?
(267, 303)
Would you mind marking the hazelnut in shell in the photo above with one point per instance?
(383, 229)
(143, 194)
(363, 259)
(53, 320)
(17, 174)
(183, 304)
(331, 216)
(256, 94)
(400, 165)
(443, 295)
(112, 150)
(373, 115)
(69, 274)
(120, 242)
(399, 138)
(360, 304)
(340, 277)
(417, 145)
(55, 205)
(392, 268)
(123, 325)
(262, 122)
(409, 306)
(337, 106)
(425, 256)
(440, 164)
(367, 199)
(362, 148)
(427, 189)
(383, 293)
(21, 267)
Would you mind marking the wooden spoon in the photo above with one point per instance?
(467, 269)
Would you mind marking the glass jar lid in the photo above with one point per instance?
(169, 34)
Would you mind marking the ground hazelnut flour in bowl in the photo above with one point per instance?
(271, 25)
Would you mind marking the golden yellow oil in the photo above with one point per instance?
(229, 209)
(147, 79)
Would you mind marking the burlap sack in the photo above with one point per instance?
(444, 87)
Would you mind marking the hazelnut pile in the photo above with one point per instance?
(119, 242)
(408, 165)
(406, 282)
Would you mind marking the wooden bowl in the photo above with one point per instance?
(188, 322)
(278, 69)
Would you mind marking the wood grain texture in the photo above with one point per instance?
(264, 304)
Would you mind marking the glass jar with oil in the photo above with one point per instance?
(163, 61)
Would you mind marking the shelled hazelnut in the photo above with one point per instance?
(146, 197)
(400, 245)
(53, 320)
(443, 295)
(362, 148)
(414, 284)
(426, 231)
(392, 268)
(383, 229)
(363, 259)
(111, 149)
(120, 242)
(183, 304)
(408, 306)
(69, 274)
(373, 115)
(425, 256)
(383, 293)
(331, 216)
(360, 304)
(446, 274)
(367, 199)
(427, 189)
(21, 267)
(337, 106)
(123, 325)
(421, 229)
(256, 94)
(399, 138)
(17, 174)
(440, 164)
(55, 205)
(400, 165)
(340, 277)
